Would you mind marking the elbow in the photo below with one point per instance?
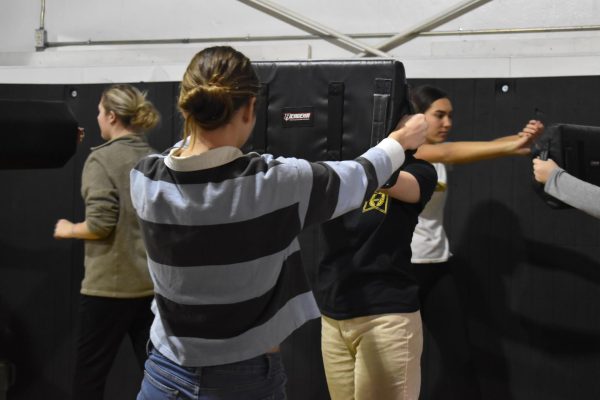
(99, 231)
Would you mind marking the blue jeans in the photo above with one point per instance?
(259, 378)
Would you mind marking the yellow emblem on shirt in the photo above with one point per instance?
(378, 202)
(441, 186)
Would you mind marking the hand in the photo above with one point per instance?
(63, 229)
(532, 130)
(519, 146)
(410, 131)
(542, 169)
(80, 134)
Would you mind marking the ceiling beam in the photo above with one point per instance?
(299, 21)
(430, 23)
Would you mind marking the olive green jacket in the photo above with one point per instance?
(115, 265)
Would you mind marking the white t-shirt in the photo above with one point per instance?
(429, 242)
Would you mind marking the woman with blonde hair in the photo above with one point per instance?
(116, 291)
(221, 231)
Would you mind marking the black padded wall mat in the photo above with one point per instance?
(528, 276)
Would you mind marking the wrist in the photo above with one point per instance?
(510, 148)
(72, 233)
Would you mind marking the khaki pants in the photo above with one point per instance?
(374, 357)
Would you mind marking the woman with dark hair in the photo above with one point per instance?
(116, 291)
(221, 232)
(443, 323)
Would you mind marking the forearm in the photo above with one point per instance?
(81, 231)
(507, 138)
(68, 230)
(575, 192)
(463, 152)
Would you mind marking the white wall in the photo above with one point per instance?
(498, 55)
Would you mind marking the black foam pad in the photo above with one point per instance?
(36, 134)
(576, 148)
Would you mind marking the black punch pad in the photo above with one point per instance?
(36, 134)
(576, 148)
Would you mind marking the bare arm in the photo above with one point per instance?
(506, 138)
(405, 189)
(66, 229)
(466, 152)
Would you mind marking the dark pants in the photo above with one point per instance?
(447, 371)
(103, 323)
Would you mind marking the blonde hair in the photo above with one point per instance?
(131, 107)
(218, 81)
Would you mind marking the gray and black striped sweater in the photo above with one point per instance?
(221, 230)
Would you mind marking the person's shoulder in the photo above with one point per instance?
(149, 161)
(107, 149)
(417, 164)
(423, 171)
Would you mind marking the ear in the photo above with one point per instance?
(249, 110)
(112, 117)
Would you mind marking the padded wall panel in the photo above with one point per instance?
(327, 110)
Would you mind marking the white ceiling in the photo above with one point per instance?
(571, 52)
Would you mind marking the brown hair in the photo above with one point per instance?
(131, 107)
(218, 81)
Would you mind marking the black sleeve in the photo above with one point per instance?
(425, 175)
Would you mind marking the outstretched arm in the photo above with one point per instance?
(466, 152)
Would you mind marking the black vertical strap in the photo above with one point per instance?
(381, 99)
(259, 136)
(335, 117)
(572, 162)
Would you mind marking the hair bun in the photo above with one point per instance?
(131, 107)
(217, 82)
(146, 116)
(209, 105)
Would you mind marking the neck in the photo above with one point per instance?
(234, 133)
(119, 131)
(201, 141)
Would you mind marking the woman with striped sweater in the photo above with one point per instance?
(221, 228)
